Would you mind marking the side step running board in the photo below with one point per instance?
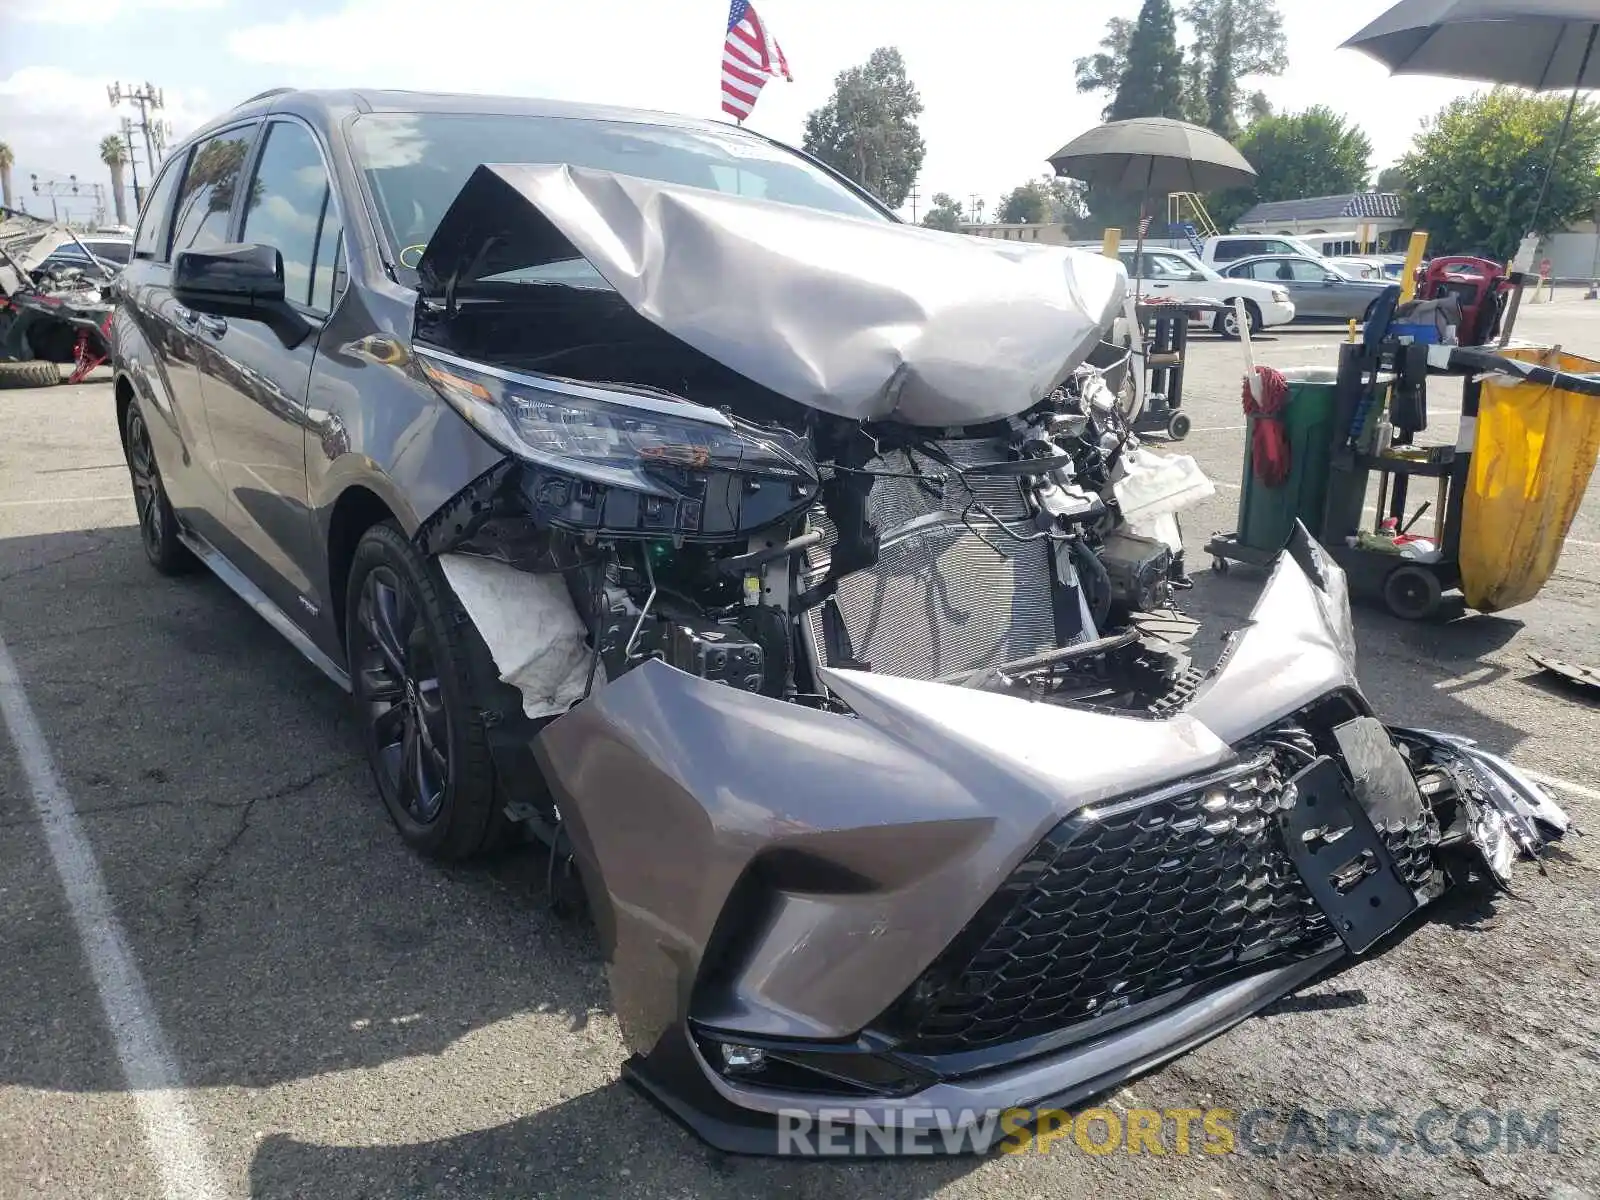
(241, 586)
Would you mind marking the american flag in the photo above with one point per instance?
(750, 56)
(1144, 226)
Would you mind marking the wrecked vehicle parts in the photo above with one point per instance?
(782, 564)
(940, 811)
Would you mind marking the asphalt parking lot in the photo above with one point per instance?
(307, 1010)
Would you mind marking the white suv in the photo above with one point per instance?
(1179, 275)
(1230, 247)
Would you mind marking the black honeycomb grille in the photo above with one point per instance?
(1121, 906)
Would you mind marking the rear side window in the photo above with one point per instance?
(1227, 251)
(291, 208)
(151, 241)
(206, 197)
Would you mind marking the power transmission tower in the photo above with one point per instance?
(133, 164)
(913, 206)
(147, 98)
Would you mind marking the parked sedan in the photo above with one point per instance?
(1320, 291)
(1179, 275)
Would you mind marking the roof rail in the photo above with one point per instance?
(278, 91)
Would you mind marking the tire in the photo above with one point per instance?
(1226, 323)
(1412, 593)
(158, 527)
(416, 667)
(32, 373)
(1178, 425)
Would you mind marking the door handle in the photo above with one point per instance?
(215, 326)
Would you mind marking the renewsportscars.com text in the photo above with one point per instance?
(1175, 1131)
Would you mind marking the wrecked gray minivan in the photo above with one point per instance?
(794, 575)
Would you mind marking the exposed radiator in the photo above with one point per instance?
(942, 597)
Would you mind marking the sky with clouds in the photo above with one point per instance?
(996, 81)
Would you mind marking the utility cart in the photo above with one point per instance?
(1164, 334)
(1385, 376)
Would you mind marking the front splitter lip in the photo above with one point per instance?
(940, 1119)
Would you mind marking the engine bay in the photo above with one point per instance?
(996, 557)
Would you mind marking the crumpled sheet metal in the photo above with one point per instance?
(864, 319)
(533, 631)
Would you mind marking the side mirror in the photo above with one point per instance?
(244, 281)
(230, 281)
(1330, 277)
(1197, 276)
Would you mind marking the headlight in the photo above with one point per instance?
(646, 442)
(1280, 296)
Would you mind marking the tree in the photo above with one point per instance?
(114, 155)
(1250, 34)
(1049, 200)
(945, 213)
(1103, 71)
(7, 160)
(1473, 174)
(1256, 108)
(1314, 153)
(1391, 179)
(1255, 28)
(1222, 83)
(868, 130)
(1152, 84)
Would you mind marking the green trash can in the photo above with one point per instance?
(1267, 514)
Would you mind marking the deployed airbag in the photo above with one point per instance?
(533, 632)
(864, 319)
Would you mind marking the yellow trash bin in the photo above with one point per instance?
(1535, 449)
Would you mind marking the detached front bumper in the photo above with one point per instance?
(954, 904)
(967, 1101)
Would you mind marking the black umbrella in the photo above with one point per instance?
(1539, 44)
(1152, 154)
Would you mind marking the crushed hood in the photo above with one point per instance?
(27, 242)
(864, 319)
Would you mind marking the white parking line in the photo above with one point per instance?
(175, 1145)
(1565, 785)
(66, 500)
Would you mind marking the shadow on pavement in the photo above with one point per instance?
(606, 1143)
(283, 929)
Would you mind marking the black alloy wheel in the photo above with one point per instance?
(158, 528)
(425, 689)
(397, 680)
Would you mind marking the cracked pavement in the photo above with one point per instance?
(353, 1022)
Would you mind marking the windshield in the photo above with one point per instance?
(416, 163)
(1205, 269)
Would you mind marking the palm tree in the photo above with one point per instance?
(113, 154)
(6, 159)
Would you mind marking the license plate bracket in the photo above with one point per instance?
(1342, 859)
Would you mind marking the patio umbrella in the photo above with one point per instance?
(1152, 154)
(1538, 44)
